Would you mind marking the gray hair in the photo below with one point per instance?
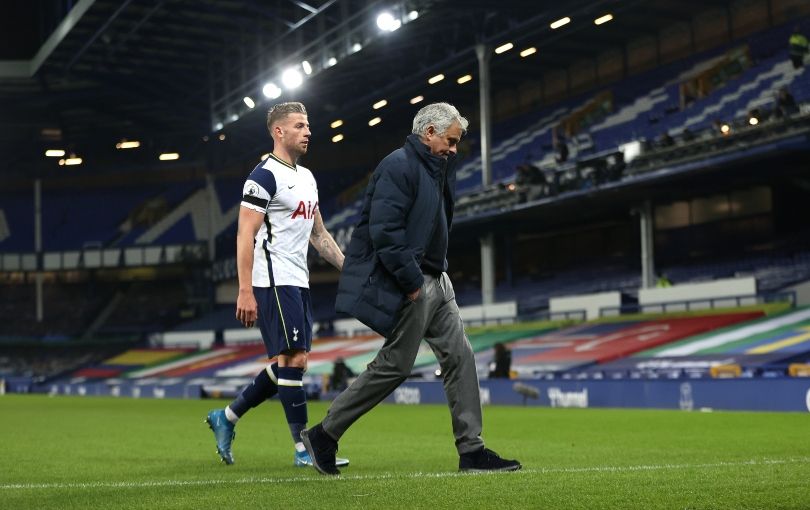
(439, 115)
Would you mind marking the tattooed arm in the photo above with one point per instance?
(322, 240)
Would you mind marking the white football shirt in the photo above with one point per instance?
(288, 197)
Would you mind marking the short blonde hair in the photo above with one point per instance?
(280, 111)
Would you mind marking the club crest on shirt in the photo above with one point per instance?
(252, 190)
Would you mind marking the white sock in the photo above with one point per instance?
(299, 447)
(231, 415)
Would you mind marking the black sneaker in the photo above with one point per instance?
(485, 460)
(322, 449)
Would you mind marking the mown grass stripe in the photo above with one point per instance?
(403, 476)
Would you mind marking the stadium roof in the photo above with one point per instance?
(168, 72)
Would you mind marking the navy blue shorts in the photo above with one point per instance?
(285, 318)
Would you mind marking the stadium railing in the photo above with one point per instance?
(133, 256)
(547, 315)
(700, 304)
(195, 339)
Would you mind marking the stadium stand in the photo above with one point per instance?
(146, 307)
(55, 361)
(104, 217)
(685, 347)
(16, 225)
(765, 347)
(633, 276)
(173, 289)
(70, 307)
(644, 107)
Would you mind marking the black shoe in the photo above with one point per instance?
(486, 460)
(322, 449)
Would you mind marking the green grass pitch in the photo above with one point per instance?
(71, 452)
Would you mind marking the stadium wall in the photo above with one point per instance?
(802, 291)
(778, 394)
(784, 394)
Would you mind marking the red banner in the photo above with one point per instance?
(635, 338)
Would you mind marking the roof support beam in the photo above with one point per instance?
(95, 36)
(138, 25)
(305, 6)
(28, 68)
(270, 13)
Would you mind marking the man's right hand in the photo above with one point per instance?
(413, 296)
(246, 308)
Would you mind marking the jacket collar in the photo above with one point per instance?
(434, 164)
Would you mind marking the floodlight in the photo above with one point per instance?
(560, 22)
(387, 23)
(307, 67)
(464, 79)
(603, 19)
(504, 47)
(169, 156)
(54, 153)
(336, 124)
(380, 104)
(291, 78)
(249, 102)
(417, 99)
(436, 79)
(374, 121)
(270, 91)
(338, 137)
(71, 160)
(528, 51)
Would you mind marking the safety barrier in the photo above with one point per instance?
(772, 394)
(778, 394)
(96, 257)
(700, 304)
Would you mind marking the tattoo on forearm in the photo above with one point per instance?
(325, 244)
(329, 250)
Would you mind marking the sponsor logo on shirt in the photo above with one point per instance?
(306, 210)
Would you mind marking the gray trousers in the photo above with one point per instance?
(433, 316)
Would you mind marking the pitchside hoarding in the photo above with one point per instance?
(783, 394)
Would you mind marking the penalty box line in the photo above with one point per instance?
(395, 476)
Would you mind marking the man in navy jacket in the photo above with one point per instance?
(394, 280)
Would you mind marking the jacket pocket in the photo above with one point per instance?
(382, 290)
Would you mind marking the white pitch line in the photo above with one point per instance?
(393, 476)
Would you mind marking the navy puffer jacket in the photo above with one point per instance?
(398, 219)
